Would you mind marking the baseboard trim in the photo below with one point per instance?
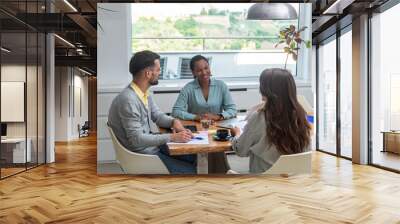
(106, 161)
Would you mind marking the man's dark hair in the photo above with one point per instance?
(141, 60)
(196, 59)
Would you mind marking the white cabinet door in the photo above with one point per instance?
(165, 100)
(245, 98)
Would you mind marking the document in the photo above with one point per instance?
(234, 122)
(200, 138)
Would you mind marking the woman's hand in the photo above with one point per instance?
(197, 117)
(235, 131)
(215, 117)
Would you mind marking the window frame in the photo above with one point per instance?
(333, 37)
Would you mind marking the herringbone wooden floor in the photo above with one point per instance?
(70, 191)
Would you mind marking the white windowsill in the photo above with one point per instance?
(171, 85)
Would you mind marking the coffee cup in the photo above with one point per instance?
(222, 133)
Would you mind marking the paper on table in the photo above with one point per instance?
(234, 122)
(241, 125)
(203, 141)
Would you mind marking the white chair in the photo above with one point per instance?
(136, 163)
(298, 163)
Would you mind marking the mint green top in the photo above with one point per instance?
(191, 101)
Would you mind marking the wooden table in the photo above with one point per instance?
(201, 150)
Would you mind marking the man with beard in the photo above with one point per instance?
(134, 117)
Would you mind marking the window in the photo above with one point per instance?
(385, 89)
(163, 65)
(22, 65)
(346, 94)
(335, 94)
(327, 96)
(178, 31)
(184, 71)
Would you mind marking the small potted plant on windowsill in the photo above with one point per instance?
(291, 38)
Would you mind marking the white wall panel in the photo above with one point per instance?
(106, 152)
(244, 100)
(165, 101)
(102, 131)
(113, 44)
(12, 101)
(104, 101)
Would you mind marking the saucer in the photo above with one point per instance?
(216, 138)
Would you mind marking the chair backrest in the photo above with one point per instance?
(136, 163)
(86, 125)
(298, 163)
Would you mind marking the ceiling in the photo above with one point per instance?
(333, 15)
(76, 25)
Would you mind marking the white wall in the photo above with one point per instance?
(61, 104)
(69, 84)
(33, 126)
(17, 73)
(113, 44)
(385, 72)
(50, 95)
(12, 73)
(305, 54)
(113, 55)
(82, 83)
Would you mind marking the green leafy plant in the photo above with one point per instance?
(292, 40)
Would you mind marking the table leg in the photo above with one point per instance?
(202, 163)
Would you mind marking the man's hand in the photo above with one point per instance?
(183, 136)
(177, 126)
(235, 131)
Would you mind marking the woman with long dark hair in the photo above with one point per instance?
(279, 128)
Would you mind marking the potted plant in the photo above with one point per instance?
(292, 39)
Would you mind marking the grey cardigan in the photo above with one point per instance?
(254, 143)
(135, 125)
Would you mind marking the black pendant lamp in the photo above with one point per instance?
(271, 11)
